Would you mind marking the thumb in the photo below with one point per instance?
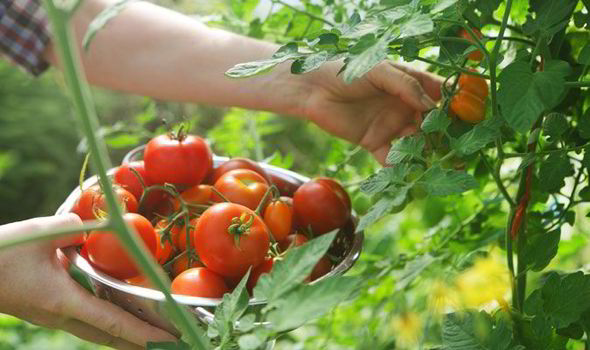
(69, 221)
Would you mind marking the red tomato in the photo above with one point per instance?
(261, 269)
(278, 216)
(230, 238)
(473, 55)
(181, 161)
(474, 84)
(238, 163)
(199, 194)
(92, 201)
(322, 204)
(180, 235)
(140, 281)
(181, 264)
(468, 107)
(293, 240)
(242, 186)
(199, 282)
(286, 184)
(164, 243)
(125, 177)
(323, 267)
(108, 254)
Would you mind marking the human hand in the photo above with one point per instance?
(384, 104)
(37, 288)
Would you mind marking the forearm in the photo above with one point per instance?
(148, 50)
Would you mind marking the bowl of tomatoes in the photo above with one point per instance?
(207, 220)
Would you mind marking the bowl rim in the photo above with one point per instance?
(148, 293)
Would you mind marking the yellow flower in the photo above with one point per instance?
(408, 329)
(442, 298)
(486, 281)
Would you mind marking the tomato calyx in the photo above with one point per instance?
(240, 226)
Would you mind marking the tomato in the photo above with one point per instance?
(199, 282)
(473, 55)
(92, 201)
(278, 216)
(183, 160)
(230, 238)
(181, 264)
(261, 269)
(140, 281)
(474, 84)
(126, 178)
(164, 241)
(323, 267)
(180, 235)
(468, 107)
(286, 184)
(293, 240)
(84, 252)
(108, 254)
(242, 186)
(322, 204)
(239, 163)
(199, 194)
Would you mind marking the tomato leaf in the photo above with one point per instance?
(540, 248)
(287, 273)
(101, 20)
(466, 330)
(382, 207)
(416, 24)
(444, 182)
(442, 5)
(253, 341)
(550, 16)
(308, 302)
(553, 171)
(524, 95)
(310, 62)
(412, 270)
(406, 148)
(555, 125)
(478, 137)
(584, 56)
(248, 69)
(383, 178)
(436, 120)
(375, 51)
(232, 307)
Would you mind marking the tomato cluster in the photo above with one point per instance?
(207, 226)
(469, 103)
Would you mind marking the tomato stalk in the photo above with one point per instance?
(80, 94)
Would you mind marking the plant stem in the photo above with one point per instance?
(80, 93)
(577, 83)
(494, 57)
(540, 153)
(447, 66)
(498, 181)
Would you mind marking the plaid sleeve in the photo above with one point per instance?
(24, 34)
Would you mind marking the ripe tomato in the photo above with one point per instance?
(125, 177)
(242, 186)
(140, 281)
(230, 238)
(474, 84)
(323, 267)
(468, 107)
(238, 163)
(278, 216)
(183, 160)
(164, 243)
(323, 204)
(181, 264)
(286, 184)
(261, 269)
(199, 194)
(180, 235)
(293, 240)
(199, 282)
(108, 254)
(473, 55)
(92, 201)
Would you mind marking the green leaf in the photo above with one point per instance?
(584, 56)
(101, 20)
(551, 16)
(308, 302)
(359, 64)
(478, 137)
(534, 303)
(406, 148)
(123, 141)
(410, 48)
(417, 24)
(383, 178)
(287, 273)
(553, 172)
(584, 125)
(309, 63)
(436, 120)
(540, 248)
(412, 270)
(566, 297)
(232, 307)
(382, 207)
(246, 323)
(555, 125)
(524, 95)
(180, 345)
(442, 5)
(465, 331)
(253, 341)
(248, 69)
(444, 182)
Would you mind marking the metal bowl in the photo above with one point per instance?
(148, 304)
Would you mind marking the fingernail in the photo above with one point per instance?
(427, 102)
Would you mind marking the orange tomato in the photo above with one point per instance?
(473, 55)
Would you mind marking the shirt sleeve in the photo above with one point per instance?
(24, 34)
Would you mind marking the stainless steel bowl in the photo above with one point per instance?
(147, 304)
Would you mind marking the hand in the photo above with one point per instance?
(384, 104)
(37, 288)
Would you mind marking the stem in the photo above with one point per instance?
(540, 153)
(448, 66)
(577, 83)
(494, 56)
(570, 204)
(498, 180)
(80, 93)
(308, 14)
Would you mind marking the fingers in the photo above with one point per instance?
(397, 82)
(110, 318)
(67, 221)
(95, 335)
(431, 83)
